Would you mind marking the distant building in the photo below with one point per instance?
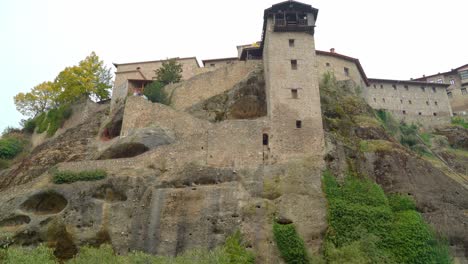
(457, 81)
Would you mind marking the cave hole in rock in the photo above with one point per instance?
(125, 150)
(15, 221)
(45, 203)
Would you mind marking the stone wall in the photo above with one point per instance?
(146, 71)
(231, 143)
(204, 86)
(292, 94)
(409, 101)
(336, 66)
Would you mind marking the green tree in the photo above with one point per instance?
(89, 79)
(41, 98)
(155, 93)
(170, 72)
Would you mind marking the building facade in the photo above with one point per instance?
(457, 90)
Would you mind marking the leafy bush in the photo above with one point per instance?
(389, 123)
(52, 120)
(399, 202)
(10, 147)
(236, 251)
(70, 176)
(156, 94)
(38, 255)
(30, 125)
(290, 245)
(459, 121)
(370, 227)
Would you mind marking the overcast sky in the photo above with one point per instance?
(392, 39)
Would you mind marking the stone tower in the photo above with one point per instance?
(291, 76)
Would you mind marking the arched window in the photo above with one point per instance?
(265, 139)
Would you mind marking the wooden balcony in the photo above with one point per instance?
(300, 25)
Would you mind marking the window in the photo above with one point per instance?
(463, 91)
(434, 90)
(291, 43)
(212, 65)
(294, 93)
(452, 81)
(401, 100)
(375, 86)
(381, 86)
(449, 94)
(346, 71)
(427, 102)
(298, 123)
(423, 88)
(375, 100)
(435, 114)
(294, 64)
(404, 112)
(419, 113)
(265, 139)
(406, 87)
(394, 87)
(464, 75)
(383, 100)
(440, 81)
(436, 103)
(410, 102)
(327, 64)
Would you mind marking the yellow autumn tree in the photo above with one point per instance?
(41, 98)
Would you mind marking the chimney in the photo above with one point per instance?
(332, 50)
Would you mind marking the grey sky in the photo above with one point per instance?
(392, 39)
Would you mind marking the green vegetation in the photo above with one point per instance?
(375, 145)
(459, 121)
(62, 177)
(170, 72)
(290, 244)
(366, 226)
(389, 123)
(233, 252)
(29, 125)
(156, 94)
(11, 146)
(52, 120)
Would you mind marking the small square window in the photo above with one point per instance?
(298, 124)
(434, 90)
(401, 100)
(435, 114)
(327, 64)
(436, 103)
(212, 65)
(291, 43)
(449, 94)
(375, 86)
(423, 88)
(394, 87)
(440, 81)
(427, 102)
(381, 86)
(294, 64)
(294, 94)
(410, 102)
(375, 100)
(419, 113)
(406, 88)
(452, 82)
(383, 100)
(346, 71)
(404, 112)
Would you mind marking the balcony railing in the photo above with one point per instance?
(282, 25)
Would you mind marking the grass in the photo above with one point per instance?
(375, 145)
(459, 121)
(52, 120)
(290, 244)
(62, 177)
(367, 226)
(232, 252)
